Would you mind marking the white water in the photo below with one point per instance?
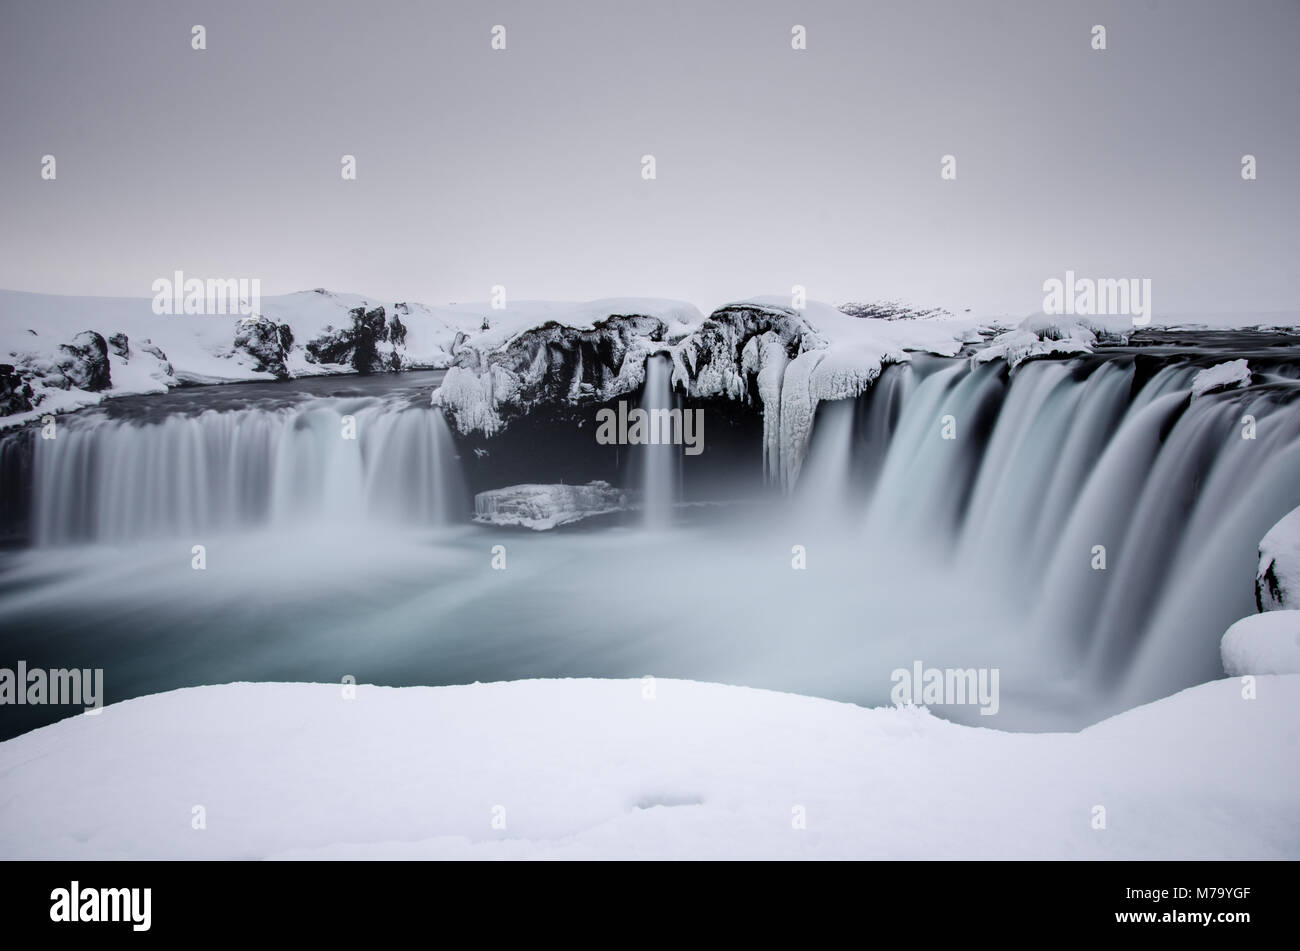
(1176, 496)
(120, 480)
(975, 551)
(659, 462)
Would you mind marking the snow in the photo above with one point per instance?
(1267, 643)
(1207, 320)
(836, 357)
(472, 398)
(1277, 582)
(201, 348)
(1221, 377)
(592, 769)
(543, 507)
(521, 316)
(1039, 339)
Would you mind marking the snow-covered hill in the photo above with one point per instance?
(60, 353)
(640, 769)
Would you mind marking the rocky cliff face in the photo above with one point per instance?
(372, 344)
(485, 388)
(268, 343)
(766, 358)
(84, 362)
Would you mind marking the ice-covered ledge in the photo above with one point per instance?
(543, 507)
(642, 769)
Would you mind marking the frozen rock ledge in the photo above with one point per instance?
(542, 507)
(1277, 581)
(593, 769)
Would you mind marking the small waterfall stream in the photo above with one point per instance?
(659, 461)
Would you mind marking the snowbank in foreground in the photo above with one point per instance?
(1267, 643)
(591, 768)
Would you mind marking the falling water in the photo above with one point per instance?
(973, 550)
(824, 488)
(121, 479)
(659, 462)
(1060, 460)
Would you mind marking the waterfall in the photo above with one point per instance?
(659, 461)
(122, 479)
(1060, 460)
(955, 511)
(824, 488)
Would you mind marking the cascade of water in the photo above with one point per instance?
(926, 479)
(823, 490)
(1071, 462)
(659, 460)
(116, 480)
(1048, 465)
(874, 427)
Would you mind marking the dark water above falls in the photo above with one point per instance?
(329, 557)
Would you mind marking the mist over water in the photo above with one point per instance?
(329, 557)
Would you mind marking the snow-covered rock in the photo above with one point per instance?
(892, 310)
(632, 769)
(542, 507)
(267, 342)
(1223, 376)
(1267, 643)
(84, 363)
(1041, 337)
(371, 343)
(1277, 582)
(793, 359)
(50, 343)
(580, 356)
(15, 392)
(790, 359)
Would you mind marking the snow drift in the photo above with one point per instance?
(1266, 643)
(642, 769)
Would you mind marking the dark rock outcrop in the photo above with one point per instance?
(84, 362)
(15, 392)
(360, 345)
(552, 363)
(268, 343)
(396, 331)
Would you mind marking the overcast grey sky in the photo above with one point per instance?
(775, 167)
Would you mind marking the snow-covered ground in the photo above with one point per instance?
(827, 353)
(202, 348)
(642, 769)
